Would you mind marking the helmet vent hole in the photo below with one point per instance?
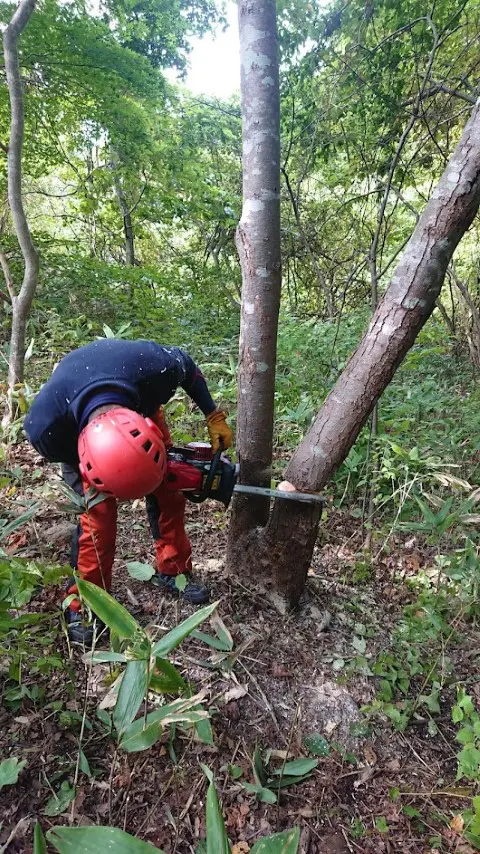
(89, 466)
(97, 480)
(134, 433)
(147, 445)
(156, 457)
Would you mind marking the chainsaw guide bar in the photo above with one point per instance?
(306, 497)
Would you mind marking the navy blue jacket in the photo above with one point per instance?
(140, 375)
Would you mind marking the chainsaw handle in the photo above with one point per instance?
(198, 497)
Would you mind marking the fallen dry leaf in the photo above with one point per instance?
(237, 817)
(241, 848)
(457, 824)
(279, 672)
(369, 754)
(235, 693)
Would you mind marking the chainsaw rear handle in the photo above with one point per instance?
(198, 497)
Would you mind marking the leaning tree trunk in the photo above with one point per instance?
(21, 303)
(283, 549)
(258, 245)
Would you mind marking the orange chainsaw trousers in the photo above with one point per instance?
(93, 549)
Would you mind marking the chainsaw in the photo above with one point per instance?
(199, 473)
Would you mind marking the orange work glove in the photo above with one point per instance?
(158, 418)
(219, 429)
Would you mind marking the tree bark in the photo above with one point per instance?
(258, 245)
(284, 548)
(22, 302)
(128, 233)
(321, 284)
(472, 333)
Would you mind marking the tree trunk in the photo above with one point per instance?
(258, 245)
(22, 302)
(127, 224)
(128, 233)
(472, 330)
(321, 284)
(284, 548)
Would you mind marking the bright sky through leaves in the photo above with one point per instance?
(215, 60)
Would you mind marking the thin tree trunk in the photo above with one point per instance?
(473, 335)
(128, 233)
(22, 302)
(321, 284)
(283, 549)
(258, 245)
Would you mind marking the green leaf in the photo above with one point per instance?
(83, 765)
(298, 767)
(316, 744)
(140, 571)
(216, 643)
(92, 498)
(174, 638)
(431, 701)
(381, 824)
(207, 771)
(222, 632)
(280, 843)
(457, 714)
(105, 718)
(204, 731)
(131, 694)
(235, 771)
(114, 615)
(170, 682)
(91, 840)
(359, 644)
(217, 841)
(142, 734)
(59, 803)
(466, 703)
(137, 737)
(259, 771)
(469, 762)
(181, 582)
(411, 812)
(39, 843)
(102, 657)
(465, 735)
(9, 771)
(10, 527)
(261, 792)
(284, 782)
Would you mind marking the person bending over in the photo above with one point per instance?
(100, 415)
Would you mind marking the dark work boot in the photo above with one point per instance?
(81, 633)
(194, 592)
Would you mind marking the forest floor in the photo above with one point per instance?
(289, 677)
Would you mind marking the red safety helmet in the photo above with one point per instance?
(122, 453)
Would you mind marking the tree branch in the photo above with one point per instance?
(441, 87)
(22, 302)
(8, 277)
(14, 81)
